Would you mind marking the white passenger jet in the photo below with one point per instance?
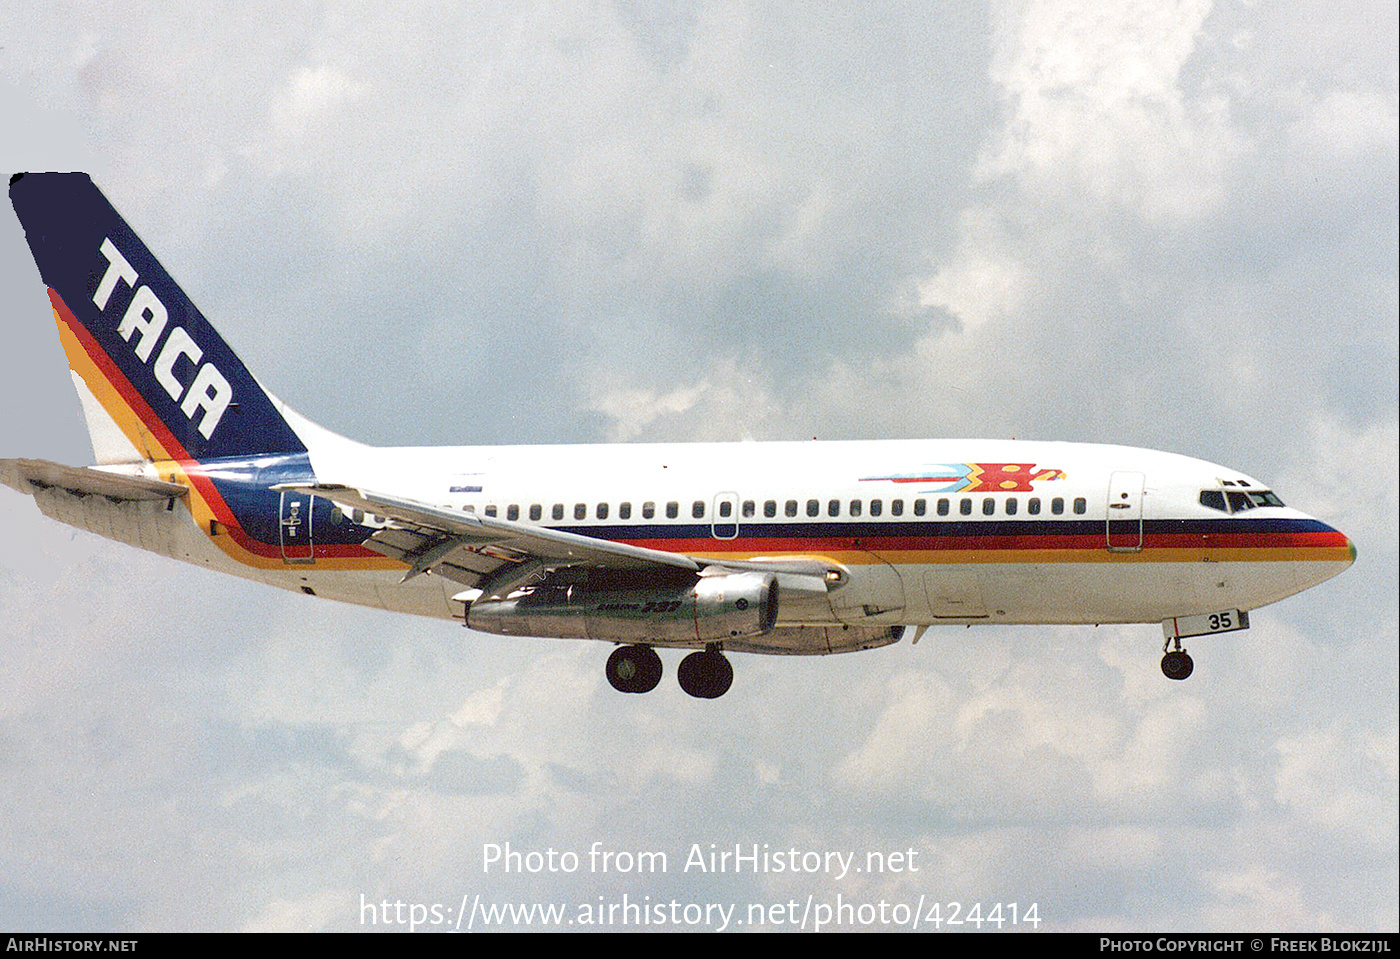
(788, 548)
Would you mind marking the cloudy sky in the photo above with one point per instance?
(1165, 224)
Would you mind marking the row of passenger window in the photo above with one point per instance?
(1011, 506)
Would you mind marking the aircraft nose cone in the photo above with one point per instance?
(1333, 552)
(1344, 548)
(1341, 539)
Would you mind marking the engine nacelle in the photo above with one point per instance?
(709, 610)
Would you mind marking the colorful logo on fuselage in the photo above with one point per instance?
(974, 477)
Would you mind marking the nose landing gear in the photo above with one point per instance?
(1176, 664)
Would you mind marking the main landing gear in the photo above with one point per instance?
(634, 669)
(1176, 664)
(706, 675)
(637, 669)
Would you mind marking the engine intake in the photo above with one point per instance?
(709, 609)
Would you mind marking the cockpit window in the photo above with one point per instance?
(1239, 500)
(1236, 500)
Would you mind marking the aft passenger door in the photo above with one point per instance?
(294, 522)
(1123, 525)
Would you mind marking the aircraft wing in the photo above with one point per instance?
(490, 554)
(25, 475)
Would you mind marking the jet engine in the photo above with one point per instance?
(712, 608)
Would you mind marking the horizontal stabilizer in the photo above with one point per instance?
(24, 475)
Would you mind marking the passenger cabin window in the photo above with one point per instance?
(490, 511)
(601, 511)
(624, 510)
(1033, 506)
(989, 506)
(1011, 506)
(855, 507)
(1057, 505)
(876, 507)
(770, 508)
(558, 511)
(512, 513)
(648, 510)
(813, 507)
(697, 509)
(896, 507)
(1080, 505)
(943, 507)
(725, 508)
(965, 507)
(790, 508)
(748, 509)
(536, 511)
(833, 508)
(673, 509)
(920, 507)
(580, 510)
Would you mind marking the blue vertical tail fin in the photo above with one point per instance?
(156, 380)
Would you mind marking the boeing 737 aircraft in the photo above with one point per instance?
(786, 548)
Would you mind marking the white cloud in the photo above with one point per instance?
(1115, 847)
(1257, 898)
(1097, 111)
(984, 281)
(1346, 473)
(1016, 750)
(309, 97)
(1350, 123)
(1336, 783)
(311, 914)
(634, 410)
(731, 401)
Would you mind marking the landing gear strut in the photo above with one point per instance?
(634, 669)
(706, 675)
(1176, 664)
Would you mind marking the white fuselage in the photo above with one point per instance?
(1026, 541)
